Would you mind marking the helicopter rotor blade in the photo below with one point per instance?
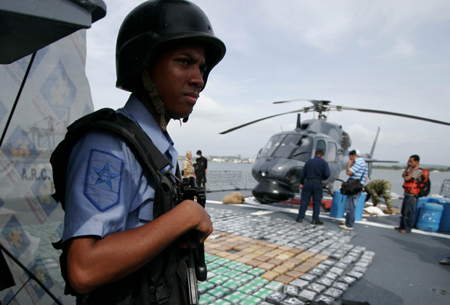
(303, 100)
(322, 105)
(296, 100)
(259, 120)
(394, 114)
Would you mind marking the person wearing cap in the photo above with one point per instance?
(356, 169)
(164, 53)
(188, 167)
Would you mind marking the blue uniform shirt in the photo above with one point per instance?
(107, 189)
(315, 168)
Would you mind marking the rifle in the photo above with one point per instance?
(197, 267)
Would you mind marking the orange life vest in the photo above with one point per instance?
(412, 186)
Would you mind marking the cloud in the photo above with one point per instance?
(383, 55)
(400, 50)
(207, 109)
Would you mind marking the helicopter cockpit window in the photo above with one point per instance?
(320, 145)
(286, 147)
(332, 152)
(271, 145)
(303, 148)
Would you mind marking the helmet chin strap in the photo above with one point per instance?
(160, 108)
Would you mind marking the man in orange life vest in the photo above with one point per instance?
(412, 176)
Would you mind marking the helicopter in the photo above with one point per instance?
(279, 164)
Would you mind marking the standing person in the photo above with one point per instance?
(314, 171)
(202, 169)
(412, 175)
(378, 188)
(188, 167)
(117, 252)
(356, 169)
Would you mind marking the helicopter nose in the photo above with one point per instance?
(269, 191)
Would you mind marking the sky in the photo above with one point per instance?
(385, 55)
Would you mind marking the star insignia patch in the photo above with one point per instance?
(103, 179)
(105, 175)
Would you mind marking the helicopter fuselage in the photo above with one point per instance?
(279, 164)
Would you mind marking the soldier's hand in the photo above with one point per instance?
(205, 226)
(202, 220)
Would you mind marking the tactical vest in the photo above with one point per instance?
(164, 279)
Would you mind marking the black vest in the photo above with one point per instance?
(164, 279)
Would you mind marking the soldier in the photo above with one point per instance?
(378, 188)
(117, 251)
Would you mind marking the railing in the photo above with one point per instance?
(229, 180)
(445, 188)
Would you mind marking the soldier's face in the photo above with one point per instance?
(178, 77)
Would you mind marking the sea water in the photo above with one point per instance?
(393, 176)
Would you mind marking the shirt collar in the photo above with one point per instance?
(135, 110)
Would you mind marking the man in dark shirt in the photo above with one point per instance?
(201, 170)
(314, 171)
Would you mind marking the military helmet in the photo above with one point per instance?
(155, 23)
